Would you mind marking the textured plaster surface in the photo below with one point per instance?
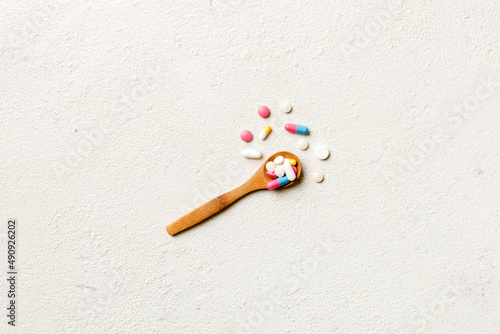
(117, 117)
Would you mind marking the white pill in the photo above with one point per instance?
(290, 175)
(318, 176)
(279, 171)
(322, 152)
(279, 160)
(270, 166)
(303, 144)
(251, 153)
(285, 106)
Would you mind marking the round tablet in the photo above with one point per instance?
(279, 160)
(303, 144)
(246, 135)
(318, 176)
(280, 171)
(264, 111)
(270, 166)
(285, 106)
(322, 152)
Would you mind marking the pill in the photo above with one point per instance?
(264, 111)
(279, 160)
(246, 135)
(318, 176)
(294, 169)
(279, 171)
(271, 175)
(270, 166)
(296, 128)
(322, 152)
(292, 162)
(286, 107)
(263, 134)
(289, 171)
(303, 144)
(251, 153)
(279, 182)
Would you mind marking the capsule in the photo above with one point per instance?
(292, 162)
(251, 153)
(279, 182)
(303, 130)
(272, 175)
(263, 134)
(290, 175)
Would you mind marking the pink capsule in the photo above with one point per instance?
(294, 169)
(271, 175)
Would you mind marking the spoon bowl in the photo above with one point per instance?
(258, 181)
(261, 172)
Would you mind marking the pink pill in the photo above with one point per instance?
(271, 175)
(264, 111)
(294, 169)
(246, 135)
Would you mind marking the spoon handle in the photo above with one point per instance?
(210, 208)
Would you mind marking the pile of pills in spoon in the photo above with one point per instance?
(282, 170)
(276, 169)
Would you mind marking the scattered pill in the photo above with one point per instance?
(279, 171)
(296, 128)
(246, 135)
(294, 169)
(264, 111)
(289, 171)
(279, 182)
(263, 134)
(318, 177)
(286, 107)
(303, 144)
(322, 152)
(271, 175)
(279, 160)
(251, 153)
(270, 166)
(292, 162)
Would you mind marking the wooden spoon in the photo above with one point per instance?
(257, 182)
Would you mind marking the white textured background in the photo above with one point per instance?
(118, 117)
